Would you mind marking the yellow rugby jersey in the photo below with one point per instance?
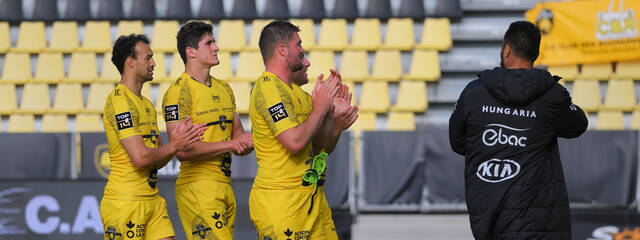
(275, 107)
(126, 115)
(214, 105)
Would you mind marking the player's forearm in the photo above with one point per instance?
(205, 150)
(323, 138)
(295, 139)
(238, 129)
(154, 156)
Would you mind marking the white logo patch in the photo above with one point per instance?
(494, 135)
(496, 170)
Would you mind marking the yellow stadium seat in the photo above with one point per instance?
(231, 36)
(160, 70)
(635, 119)
(306, 33)
(109, 72)
(146, 91)
(436, 34)
(164, 36)
(412, 97)
(399, 34)
(21, 123)
(8, 99)
(241, 91)
(354, 66)
(35, 98)
(586, 94)
(50, 68)
(567, 73)
(600, 71)
(5, 40)
(365, 122)
(374, 97)
(98, 93)
(249, 66)
(366, 34)
(401, 121)
(333, 35)
(54, 123)
(64, 37)
(628, 70)
(620, 95)
(162, 89)
(321, 61)
(88, 123)
(256, 28)
(31, 38)
(17, 68)
(425, 66)
(223, 69)
(68, 98)
(97, 37)
(387, 66)
(609, 120)
(129, 27)
(82, 68)
(177, 66)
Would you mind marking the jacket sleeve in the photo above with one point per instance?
(572, 121)
(458, 126)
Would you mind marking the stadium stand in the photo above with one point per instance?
(609, 120)
(321, 62)
(436, 34)
(11, 10)
(160, 70)
(568, 73)
(45, 10)
(143, 10)
(31, 38)
(409, 93)
(109, 72)
(178, 10)
(256, 28)
(50, 68)
(424, 66)
(628, 70)
(97, 37)
(378, 9)
(129, 27)
(387, 66)
(82, 68)
(231, 37)
(620, 95)
(411, 9)
(98, 92)
(306, 33)
(244, 9)
(399, 34)
(8, 99)
(586, 94)
(277, 9)
(242, 92)
(110, 10)
(354, 66)
(54, 123)
(211, 9)
(366, 34)
(64, 37)
(223, 70)
(177, 66)
(601, 71)
(374, 97)
(21, 123)
(310, 9)
(333, 35)
(17, 68)
(249, 66)
(35, 98)
(5, 38)
(78, 10)
(401, 121)
(164, 36)
(88, 123)
(68, 98)
(345, 9)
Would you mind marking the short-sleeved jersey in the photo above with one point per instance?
(275, 107)
(126, 115)
(213, 105)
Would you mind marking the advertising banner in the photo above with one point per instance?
(587, 31)
(35, 156)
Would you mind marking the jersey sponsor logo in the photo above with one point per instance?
(496, 170)
(124, 120)
(509, 111)
(494, 135)
(153, 178)
(200, 229)
(171, 113)
(278, 112)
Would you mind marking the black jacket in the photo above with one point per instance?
(506, 124)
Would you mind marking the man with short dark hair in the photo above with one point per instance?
(506, 125)
(292, 131)
(131, 206)
(204, 197)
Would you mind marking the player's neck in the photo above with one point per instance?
(132, 84)
(519, 63)
(281, 70)
(198, 72)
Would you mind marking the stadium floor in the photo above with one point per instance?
(411, 227)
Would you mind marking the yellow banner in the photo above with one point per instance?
(587, 31)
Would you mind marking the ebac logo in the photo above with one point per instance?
(496, 170)
(494, 135)
(102, 160)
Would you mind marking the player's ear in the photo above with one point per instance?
(282, 50)
(128, 62)
(190, 51)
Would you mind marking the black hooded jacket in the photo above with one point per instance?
(506, 124)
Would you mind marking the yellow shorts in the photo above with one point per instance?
(139, 219)
(207, 209)
(284, 214)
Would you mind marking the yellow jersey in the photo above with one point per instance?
(275, 107)
(213, 105)
(126, 115)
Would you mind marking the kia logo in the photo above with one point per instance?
(496, 170)
(492, 136)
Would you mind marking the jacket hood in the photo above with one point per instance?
(517, 86)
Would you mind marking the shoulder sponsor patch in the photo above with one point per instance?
(278, 112)
(124, 120)
(171, 113)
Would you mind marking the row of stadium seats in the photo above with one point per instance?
(354, 66)
(80, 10)
(231, 37)
(600, 71)
(69, 99)
(620, 95)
